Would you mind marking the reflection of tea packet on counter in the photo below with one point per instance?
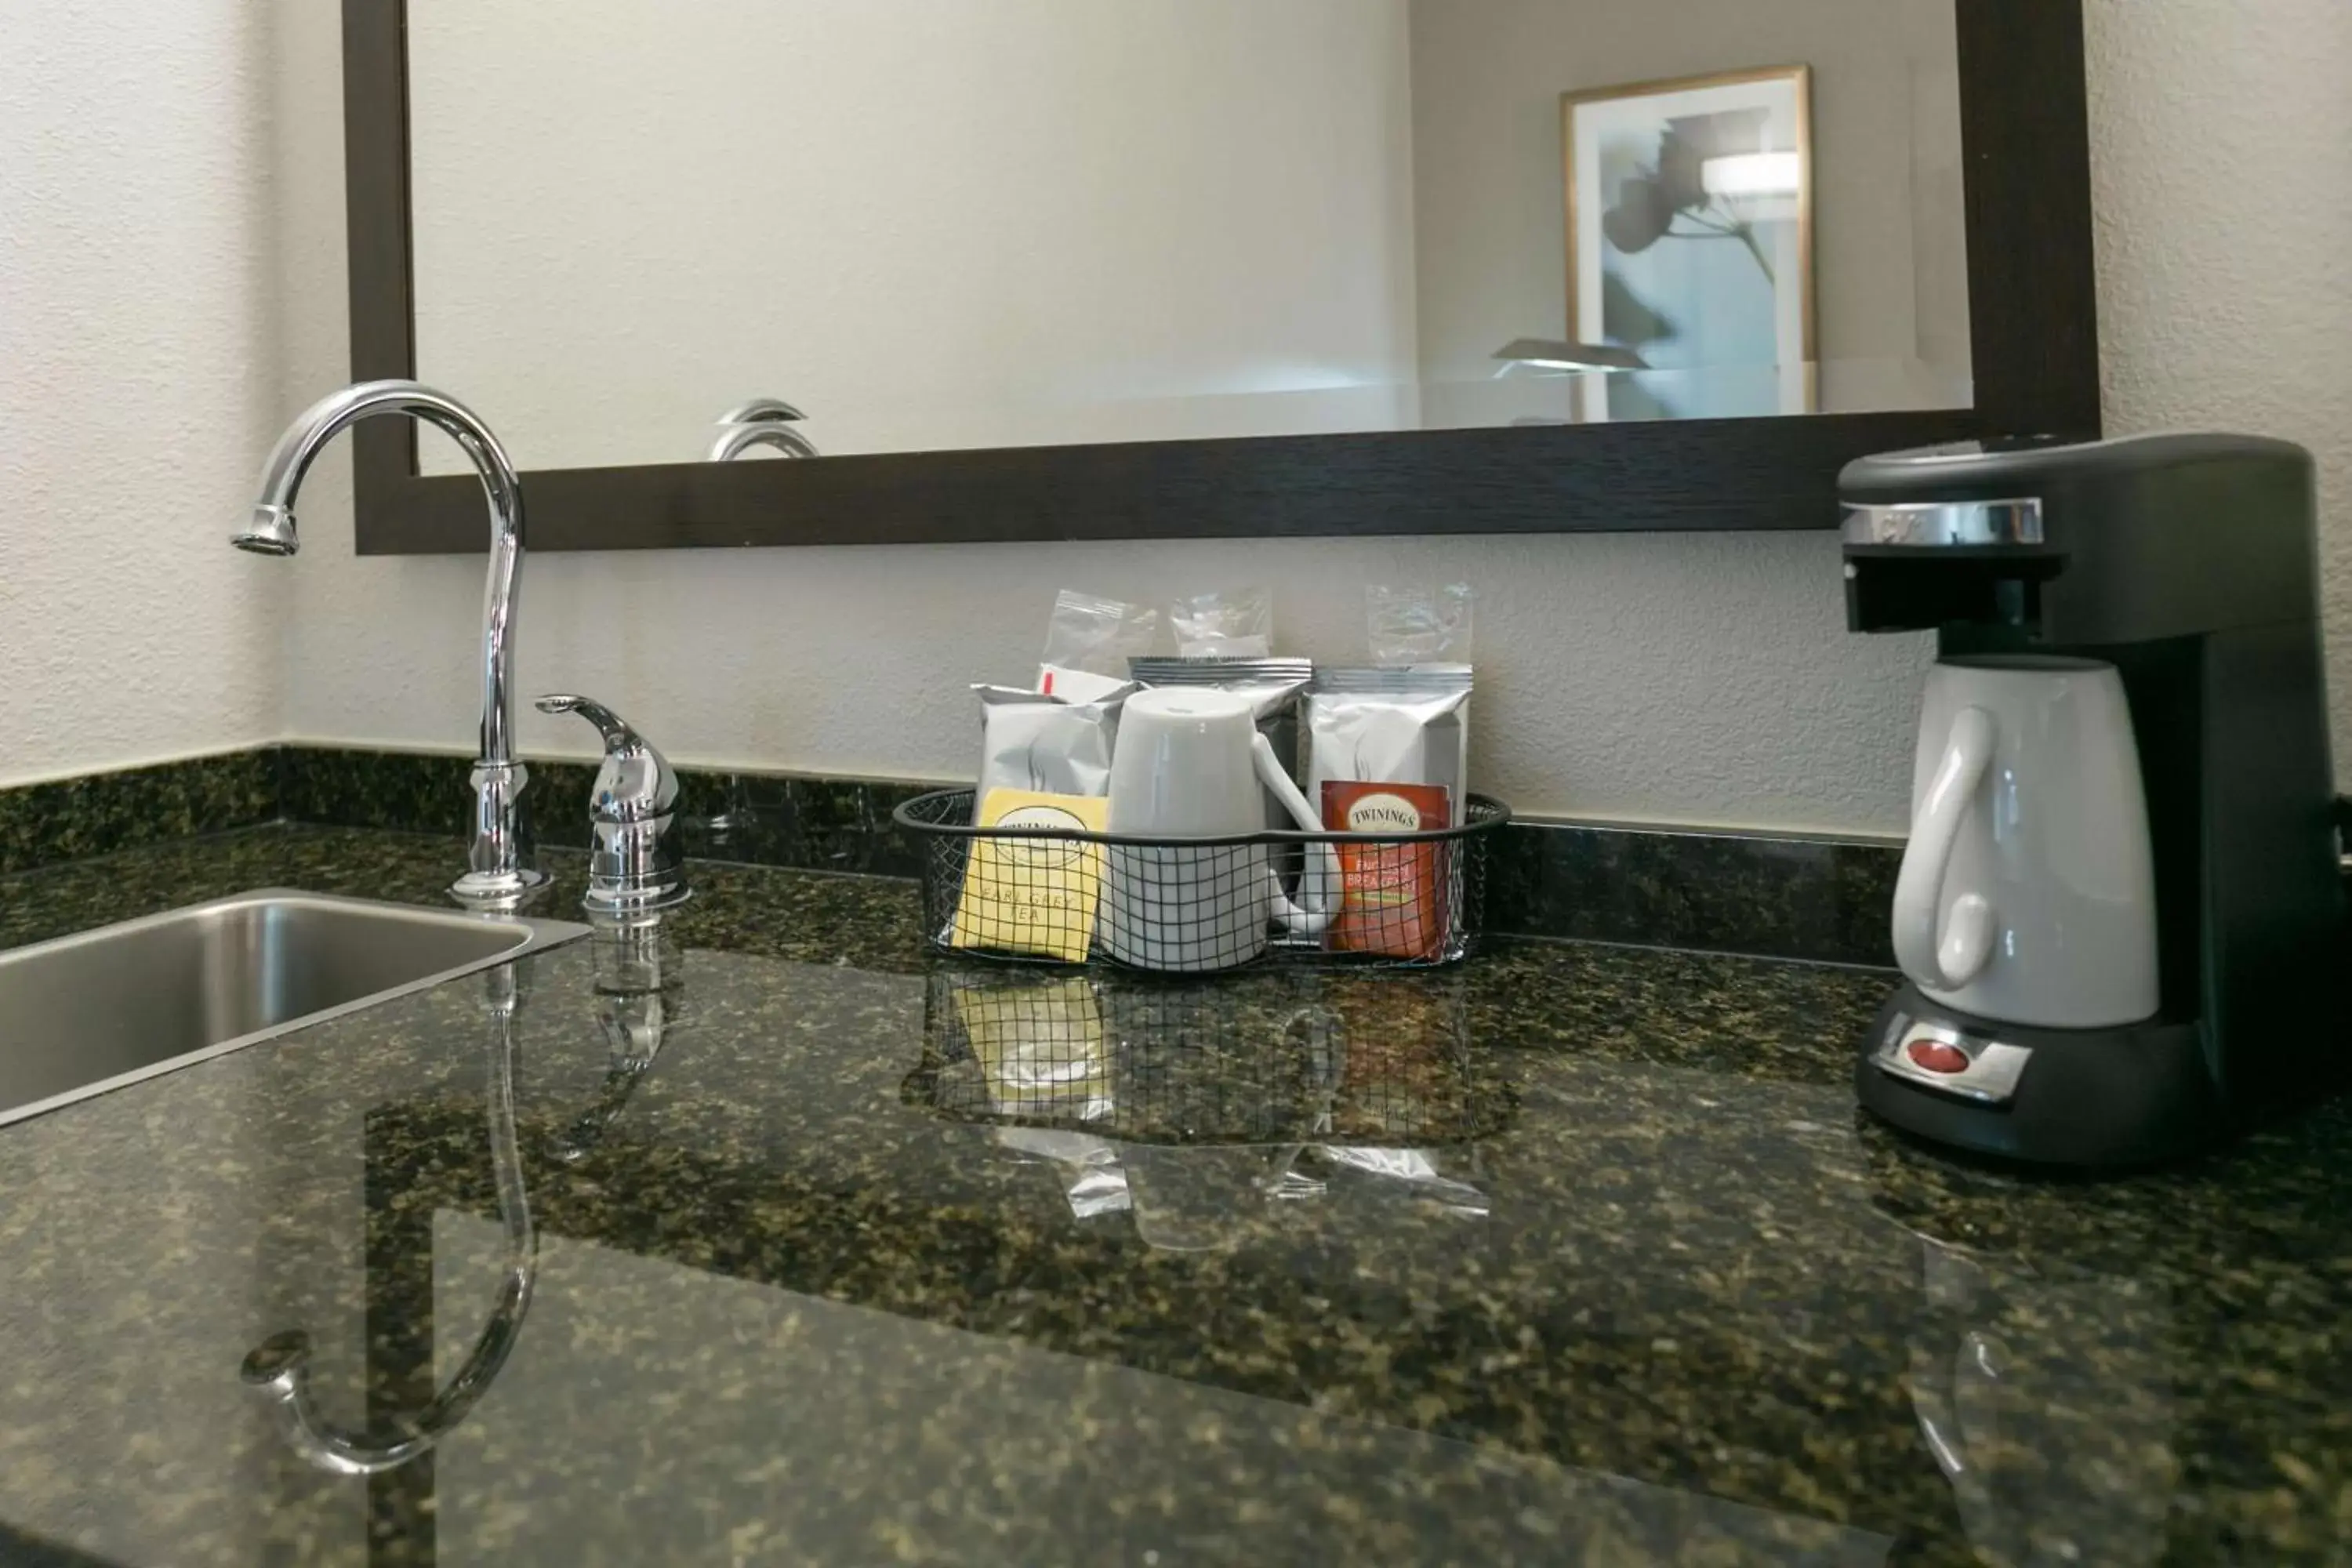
(1041, 1048)
(1405, 1075)
(1273, 686)
(1032, 741)
(1092, 1180)
(1032, 895)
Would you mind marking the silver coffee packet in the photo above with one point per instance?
(1390, 726)
(1030, 741)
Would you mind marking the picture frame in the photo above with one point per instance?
(1690, 243)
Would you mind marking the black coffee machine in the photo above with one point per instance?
(2189, 564)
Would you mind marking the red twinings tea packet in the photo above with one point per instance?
(1394, 893)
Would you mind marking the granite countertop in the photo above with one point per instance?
(1577, 1254)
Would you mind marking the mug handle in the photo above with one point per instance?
(1966, 944)
(1318, 888)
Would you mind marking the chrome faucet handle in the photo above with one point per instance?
(637, 862)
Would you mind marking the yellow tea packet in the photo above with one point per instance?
(1034, 895)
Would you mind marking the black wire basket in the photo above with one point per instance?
(1197, 906)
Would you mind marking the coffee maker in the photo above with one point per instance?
(2189, 563)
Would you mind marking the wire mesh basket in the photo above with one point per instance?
(1196, 906)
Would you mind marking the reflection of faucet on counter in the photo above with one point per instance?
(639, 984)
(278, 1369)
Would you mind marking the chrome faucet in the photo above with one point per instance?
(498, 874)
(762, 422)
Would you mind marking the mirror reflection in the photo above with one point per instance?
(807, 226)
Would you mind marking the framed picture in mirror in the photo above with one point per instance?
(1690, 243)
(806, 273)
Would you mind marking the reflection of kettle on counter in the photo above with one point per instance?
(2043, 1387)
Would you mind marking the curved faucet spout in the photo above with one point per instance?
(498, 877)
(762, 422)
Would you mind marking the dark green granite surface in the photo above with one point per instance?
(97, 814)
(1578, 1255)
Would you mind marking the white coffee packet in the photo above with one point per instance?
(1390, 726)
(1030, 741)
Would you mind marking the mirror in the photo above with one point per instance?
(654, 234)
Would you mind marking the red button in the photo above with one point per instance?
(1937, 1056)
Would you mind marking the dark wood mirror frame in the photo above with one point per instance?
(2024, 124)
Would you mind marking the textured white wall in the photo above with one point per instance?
(2223, 159)
(137, 383)
(1697, 679)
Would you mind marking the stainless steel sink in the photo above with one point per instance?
(90, 1013)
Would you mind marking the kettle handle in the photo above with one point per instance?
(1950, 963)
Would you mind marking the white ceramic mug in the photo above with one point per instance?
(2027, 891)
(1190, 764)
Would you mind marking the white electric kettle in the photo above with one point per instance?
(2028, 893)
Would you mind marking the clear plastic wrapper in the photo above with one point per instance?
(1225, 622)
(1088, 643)
(1419, 625)
(1093, 1179)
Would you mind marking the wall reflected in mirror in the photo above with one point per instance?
(948, 224)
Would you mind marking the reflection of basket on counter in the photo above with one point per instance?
(1201, 905)
(1278, 1056)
